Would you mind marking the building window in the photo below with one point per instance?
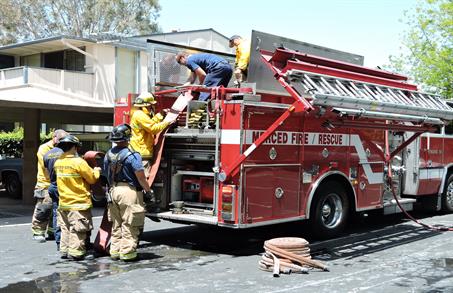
(67, 60)
(6, 61)
(74, 61)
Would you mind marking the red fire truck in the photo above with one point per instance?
(335, 139)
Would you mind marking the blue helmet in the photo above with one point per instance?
(119, 133)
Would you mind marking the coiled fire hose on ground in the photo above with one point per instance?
(288, 255)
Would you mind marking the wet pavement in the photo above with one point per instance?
(377, 254)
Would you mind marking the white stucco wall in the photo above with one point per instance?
(103, 67)
(143, 71)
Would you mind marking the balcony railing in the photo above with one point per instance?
(80, 83)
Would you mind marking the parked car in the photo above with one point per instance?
(11, 176)
(11, 179)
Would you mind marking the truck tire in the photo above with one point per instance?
(13, 185)
(329, 211)
(447, 195)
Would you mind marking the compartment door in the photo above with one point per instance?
(271, 192)
(411, 160)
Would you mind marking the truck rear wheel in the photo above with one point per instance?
(447, 195)
(13, 185)
(329, 211)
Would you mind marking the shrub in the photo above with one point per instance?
(11, 143)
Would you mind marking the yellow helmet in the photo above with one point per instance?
(145, 99)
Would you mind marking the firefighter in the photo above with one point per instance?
(242, 57)
(145, 125)
(127, 180)
(43, 208)
(210, 69)
(49, 160)
(74, 177)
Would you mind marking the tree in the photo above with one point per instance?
(429, 58)
(22, 20)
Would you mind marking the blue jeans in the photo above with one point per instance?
(219, 75)
(53, 192)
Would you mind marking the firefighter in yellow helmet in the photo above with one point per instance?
(74, 177)
(145, 125)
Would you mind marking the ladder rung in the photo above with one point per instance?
(435, 101)
(404, 99)
(355, 88)
(344, 88)
(313, 83)
(386, 95)
(421, 101)
(427, 101)
(332, 89)
(376, 97)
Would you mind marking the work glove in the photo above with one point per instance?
(150, 197)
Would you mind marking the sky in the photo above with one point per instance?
(371, 28)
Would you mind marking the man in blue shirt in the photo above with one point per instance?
(210, 69)
(127, 180)
(49, 159)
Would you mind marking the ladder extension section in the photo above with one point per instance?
(333, 83)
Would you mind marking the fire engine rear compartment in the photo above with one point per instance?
(188, 186)
(186, 181)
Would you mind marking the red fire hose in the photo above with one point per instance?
(424, 225)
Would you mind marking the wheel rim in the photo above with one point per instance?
(12, 187)
(449, 197)
(332, 210)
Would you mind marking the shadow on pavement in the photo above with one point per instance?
(364, 235)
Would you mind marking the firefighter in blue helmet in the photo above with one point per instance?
(128, 188)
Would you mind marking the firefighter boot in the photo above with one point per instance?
(39, 238)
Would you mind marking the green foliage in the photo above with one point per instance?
(11, 143)
(22, 20)
(429, 59)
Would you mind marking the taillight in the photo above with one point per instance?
(227, 189)
(228, 193)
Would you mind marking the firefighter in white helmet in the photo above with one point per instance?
(146, 124)
(127, 180)
(43, 210)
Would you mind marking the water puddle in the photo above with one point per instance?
(160, 258)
